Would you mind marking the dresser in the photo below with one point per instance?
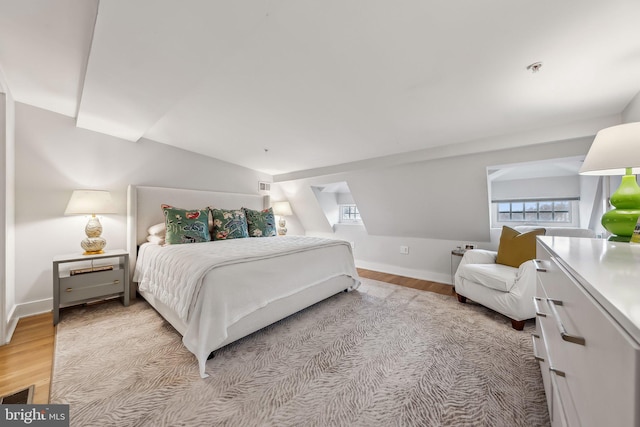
(587, 338)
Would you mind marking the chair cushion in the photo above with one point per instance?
(515, 247)
(495, 276)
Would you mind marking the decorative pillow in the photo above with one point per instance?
(186, 226)
(229, 224)
(158, 229)
(516, 248)
(260, 223)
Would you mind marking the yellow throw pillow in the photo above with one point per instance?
(516, 248)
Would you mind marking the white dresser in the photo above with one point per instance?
(587, 338)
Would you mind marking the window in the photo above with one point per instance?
(534, 210)
(349, 213)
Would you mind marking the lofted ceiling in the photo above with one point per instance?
(288, 85)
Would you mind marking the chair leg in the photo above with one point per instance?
(518, 325)
(461, 298)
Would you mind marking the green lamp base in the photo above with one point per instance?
(622, 221)
(625, 239)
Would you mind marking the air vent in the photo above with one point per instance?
(264, 187)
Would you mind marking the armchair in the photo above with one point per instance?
(507, 290)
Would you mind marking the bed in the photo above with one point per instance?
(214, 293)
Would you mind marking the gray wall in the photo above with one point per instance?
(53, 158)
(431, 206)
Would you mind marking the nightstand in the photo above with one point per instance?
(80, 278)
(456, 257)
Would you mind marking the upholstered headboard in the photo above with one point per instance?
(143, 209)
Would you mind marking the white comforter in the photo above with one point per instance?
(236, 277)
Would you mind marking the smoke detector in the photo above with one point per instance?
(535, 67)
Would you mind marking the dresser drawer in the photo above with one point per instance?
(91, 285)
(598, 359)
(540, 342)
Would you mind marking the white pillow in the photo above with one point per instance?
(157, 230)
(158, 240)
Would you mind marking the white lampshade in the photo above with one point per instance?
(282, 209)
(614, 149)
(89, 202)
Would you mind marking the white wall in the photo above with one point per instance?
(53, 158)
(7, 199)
(4, 303)
(631, 113)
(431, 206)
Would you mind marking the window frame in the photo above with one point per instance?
(572, 212)
(357, 219)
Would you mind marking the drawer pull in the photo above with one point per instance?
(115, 282)
(68, 289)
(558, 372)
(563, 332)
(535, 350)
(535, 305)
(538, 265)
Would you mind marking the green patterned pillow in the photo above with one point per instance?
(260, 223)
(186, 226)
(229, 224)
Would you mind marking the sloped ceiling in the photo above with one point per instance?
(288, 85)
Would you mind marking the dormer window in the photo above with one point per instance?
(349, 214)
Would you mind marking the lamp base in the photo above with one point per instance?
(93, 245)
(282, 227)
(619, 239)
(92, 252)
(622, 220)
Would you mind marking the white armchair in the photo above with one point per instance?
(507, 290)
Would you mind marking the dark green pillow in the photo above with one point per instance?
(186, 226)
(260, 223)
(229, 224)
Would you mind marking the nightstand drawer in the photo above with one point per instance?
(91, 285)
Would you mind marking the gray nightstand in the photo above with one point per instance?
(87, 281)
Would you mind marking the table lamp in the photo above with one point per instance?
(91, 202)
(282, 209)
(616, 151)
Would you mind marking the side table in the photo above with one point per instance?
(456, 257)
(76, 286)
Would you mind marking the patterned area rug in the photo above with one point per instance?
(384, 355)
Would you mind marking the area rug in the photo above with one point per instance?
(383, 355)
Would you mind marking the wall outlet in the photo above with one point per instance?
(404, 250)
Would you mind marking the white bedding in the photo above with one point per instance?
(212, 285)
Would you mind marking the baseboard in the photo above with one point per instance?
(34, 307)
(406, 272)
(11, 325)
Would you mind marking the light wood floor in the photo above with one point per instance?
(28, 358)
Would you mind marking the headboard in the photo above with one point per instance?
(143, 209)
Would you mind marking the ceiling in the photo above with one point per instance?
(287, 85)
